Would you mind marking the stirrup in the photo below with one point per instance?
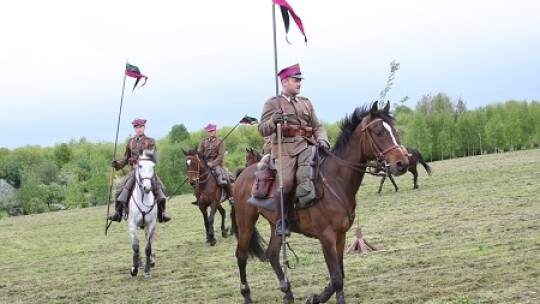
(282, 227)
(195, 203)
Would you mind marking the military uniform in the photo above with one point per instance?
(213, 149)
(134, 147)
(300, 121)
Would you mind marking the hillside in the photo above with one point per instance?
(469, 234)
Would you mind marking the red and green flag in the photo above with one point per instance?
(248, 120)
(286, 9)
(134, 72)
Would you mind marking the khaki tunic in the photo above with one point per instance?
(214, 156)
(134, 146)
(300, 113)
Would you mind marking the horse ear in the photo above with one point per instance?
(184, 151)
(375, 107)
(387, 107)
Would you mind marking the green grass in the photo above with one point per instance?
(470, 234)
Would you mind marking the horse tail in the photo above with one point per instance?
(423, 162)
(256, 243)
(256, 249)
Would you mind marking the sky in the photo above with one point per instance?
(213, 61)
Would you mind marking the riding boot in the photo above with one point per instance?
(122, 196)
(117, 215)
(228, 193)
(282, 225)
(161, 200)
(162, 217)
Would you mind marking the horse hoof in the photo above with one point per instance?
(134, 271)
(213, 242)
(147, 275)
(313, 299)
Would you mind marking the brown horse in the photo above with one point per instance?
(368, 134)
(209, 194)
(415, 157)
(252, 157)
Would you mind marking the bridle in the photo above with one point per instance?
(201, 177)
(139, 181)
(360, 167)
(380, 154)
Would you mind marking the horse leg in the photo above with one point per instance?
(206, 224)
(333, 255)
(224, 230)
(382, 183)
(150, 229)
(272, 253)
(393, 181)
(415, 177)
(244, 238)
(211, 238)
(135, 246)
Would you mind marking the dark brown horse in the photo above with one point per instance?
(207, 191)
(252, 157)
(415, 157)
(368, 134)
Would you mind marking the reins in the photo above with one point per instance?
(359, 167)
(201, 177)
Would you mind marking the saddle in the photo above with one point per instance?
(263, 189)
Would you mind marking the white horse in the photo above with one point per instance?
(143, 211)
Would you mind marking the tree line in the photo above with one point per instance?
(77, 174)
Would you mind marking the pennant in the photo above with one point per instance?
(285, 10)
(248, 120)
(134, 72)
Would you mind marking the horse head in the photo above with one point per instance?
(382, 139)
(196, 165)
(378, 140)
(252, 157)
(145, 170)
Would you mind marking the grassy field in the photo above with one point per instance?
(470, 234)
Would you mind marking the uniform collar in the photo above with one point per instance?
(289, 98)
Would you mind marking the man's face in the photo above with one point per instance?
(211, 133)
(139, 130)
(291, 86)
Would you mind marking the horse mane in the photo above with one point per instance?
(349, 123)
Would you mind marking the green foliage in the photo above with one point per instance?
(62, 154)
(78, 173)
(178, 134)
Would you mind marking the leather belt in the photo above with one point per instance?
(294, 131)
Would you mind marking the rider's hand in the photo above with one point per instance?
(114, 164)
(323, 144)
(278, 117)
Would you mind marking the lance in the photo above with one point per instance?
(245, 120)
(174, 192)
(284, 262)
(107, 222)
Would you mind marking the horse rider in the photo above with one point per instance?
(299, 122)
(213, 149)
(134, 147)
